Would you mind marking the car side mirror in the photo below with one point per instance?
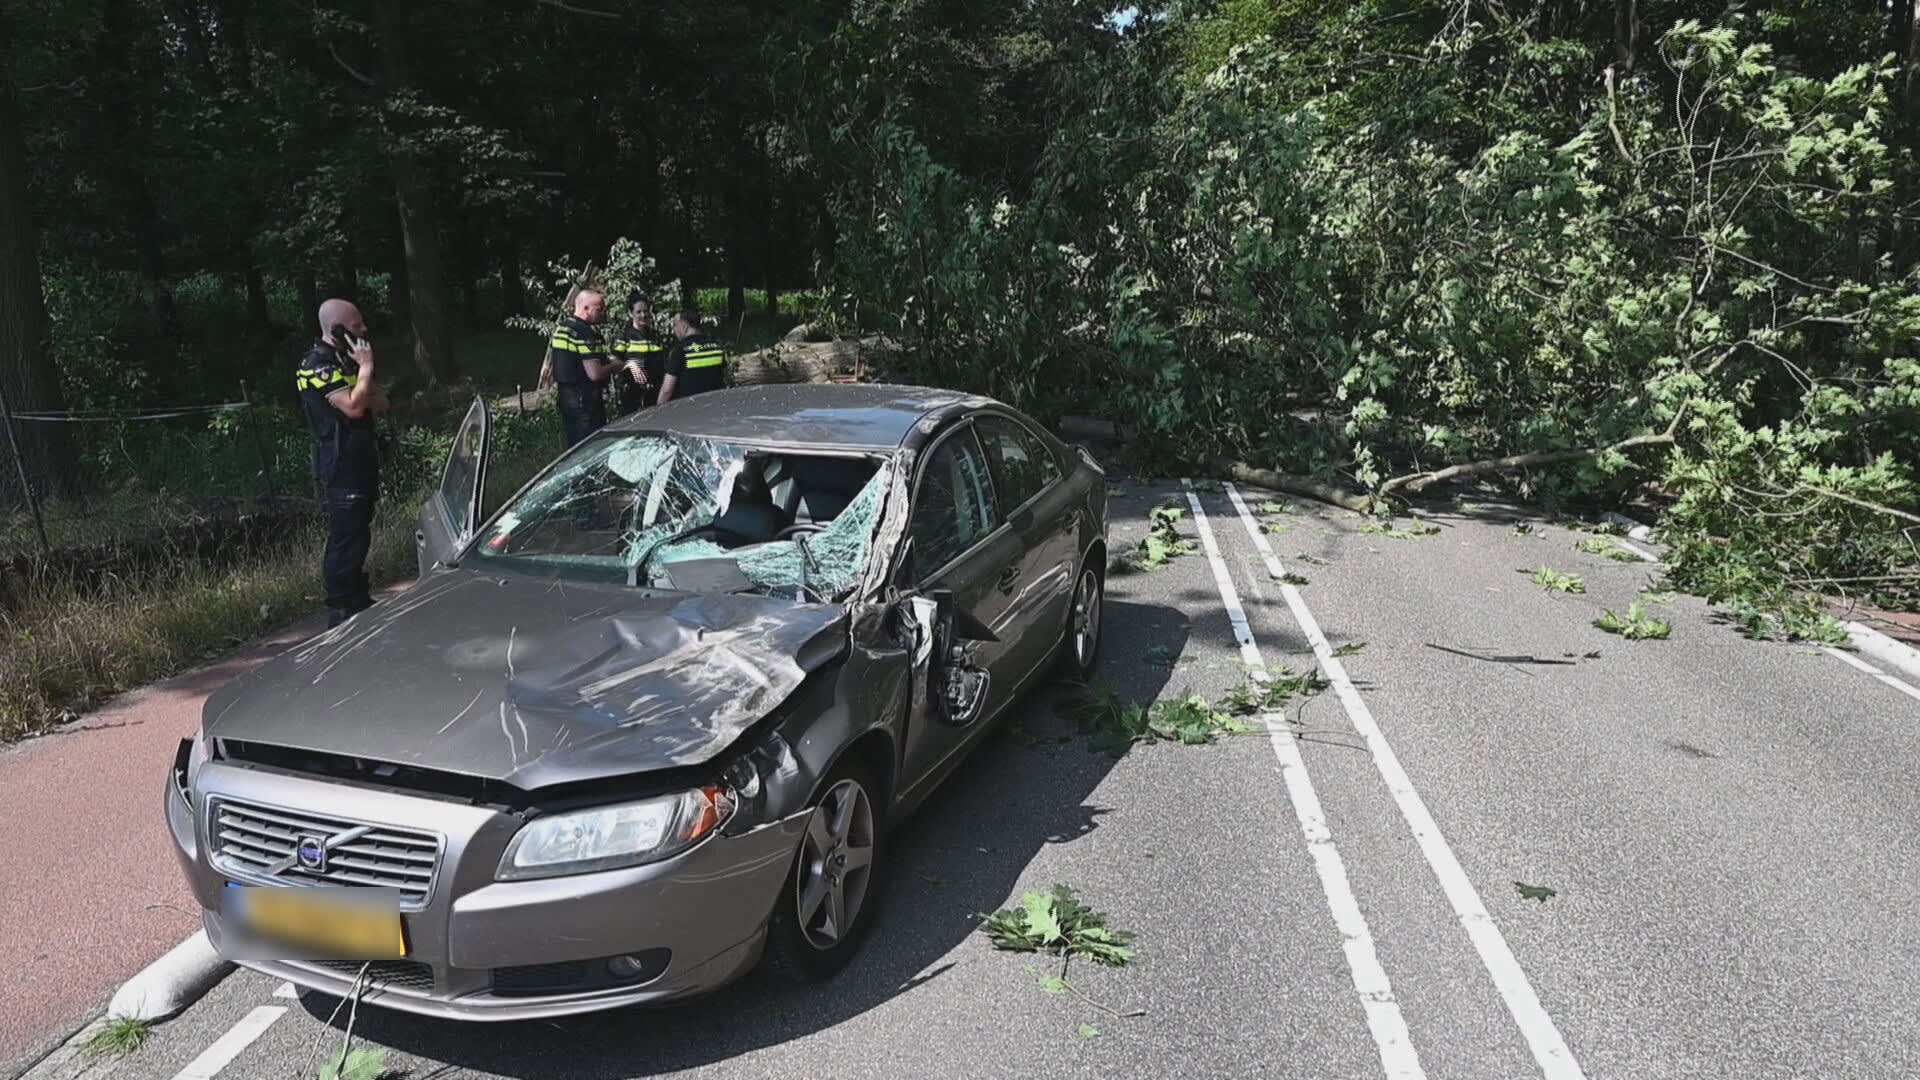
(962, 623)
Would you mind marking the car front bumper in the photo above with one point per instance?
(481, 949)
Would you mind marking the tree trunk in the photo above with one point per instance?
(770, 253)
(308, 291)
(347, 274)
(466, 266)
(398, 294)
(1626, 33)
(126, 128)
(256, 296)
(513, 291)
(736, 286)
(27, 374)
(419, 221)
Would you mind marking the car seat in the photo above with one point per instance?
(814, 490)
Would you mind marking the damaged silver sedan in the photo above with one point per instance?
(650, 721)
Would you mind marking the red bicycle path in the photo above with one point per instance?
(89, 890)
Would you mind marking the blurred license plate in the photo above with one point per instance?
(354, 924)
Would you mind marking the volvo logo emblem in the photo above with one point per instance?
(311, 853)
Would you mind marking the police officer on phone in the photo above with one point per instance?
(339, 398)
(642, 356)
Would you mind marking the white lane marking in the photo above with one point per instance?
(1543, 1038)
(285, 990)
(228, 1046)
(1890, 680)
(1851, 660)
(1645, 556)
(1898, 685)
(1397, 1055)
(1855, 662)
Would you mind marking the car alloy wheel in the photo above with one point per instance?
(836, 866)
(1086, 619)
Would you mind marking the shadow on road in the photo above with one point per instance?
(961, 854)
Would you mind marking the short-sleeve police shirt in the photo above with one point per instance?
(698, 364)
(575, 341)
(346, 457)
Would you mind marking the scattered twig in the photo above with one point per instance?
(564, 6)
(344, 66)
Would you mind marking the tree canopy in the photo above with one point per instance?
(1591, 248)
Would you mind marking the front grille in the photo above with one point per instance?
(256, 843)
(387, 974)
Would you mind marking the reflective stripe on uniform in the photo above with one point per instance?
(705, 357)
(636, 347)
(563, 342)
(323, 380)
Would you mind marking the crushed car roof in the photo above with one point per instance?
(861, 416)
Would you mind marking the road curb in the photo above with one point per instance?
(1879, 646)
(171, 983)
(1635, 530)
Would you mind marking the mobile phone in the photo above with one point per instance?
(343, 338)
(344, 342)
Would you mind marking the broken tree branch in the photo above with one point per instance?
(1416, 482)
(344, 66)
(1303, 486)
(1865, 504)
(1613, 120)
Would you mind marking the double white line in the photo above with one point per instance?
(1397, 1055)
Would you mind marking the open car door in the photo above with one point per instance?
(452, 514)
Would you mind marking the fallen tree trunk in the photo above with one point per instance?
(1303, 486)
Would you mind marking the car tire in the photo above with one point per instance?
(803, 944)
(1080, 641)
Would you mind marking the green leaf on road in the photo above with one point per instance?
(1635, 625)
(1534, 892)
(358, 1065)
(1088, 1031)
(1554, 581)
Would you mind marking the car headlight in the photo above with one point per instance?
(609, 837)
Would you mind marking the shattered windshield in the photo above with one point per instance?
(686, 513)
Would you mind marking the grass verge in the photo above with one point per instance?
(66, 649)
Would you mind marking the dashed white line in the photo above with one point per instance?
(1543, 1038)
(1397, 1055)
(228, 1046)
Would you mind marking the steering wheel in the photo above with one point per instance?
(799, 528)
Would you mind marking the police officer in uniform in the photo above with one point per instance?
(581, 367)
(339, 398)
(642, 359)
(695, 364)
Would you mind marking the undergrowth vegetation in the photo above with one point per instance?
(69, 642)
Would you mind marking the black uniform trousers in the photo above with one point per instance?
(343, 567)
(583, 410)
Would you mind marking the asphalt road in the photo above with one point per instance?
(1726, 826)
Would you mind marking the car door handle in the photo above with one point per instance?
(1009, 578)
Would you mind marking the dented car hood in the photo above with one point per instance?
(534, 682)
